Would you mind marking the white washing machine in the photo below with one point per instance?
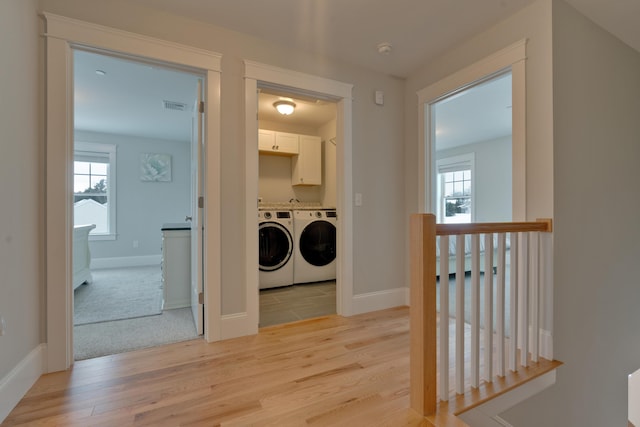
(275, 242)
(315, 245)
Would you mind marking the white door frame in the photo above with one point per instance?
(63, 34)
(256, 72)
(512, 57)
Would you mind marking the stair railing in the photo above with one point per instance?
(492, 349)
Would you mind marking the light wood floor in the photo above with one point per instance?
(329, 371)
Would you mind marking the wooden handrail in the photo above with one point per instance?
(423, 315)
(541, 225)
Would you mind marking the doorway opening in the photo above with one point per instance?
(297, 206)
(472, 133)
(137, 150)
(263, 76)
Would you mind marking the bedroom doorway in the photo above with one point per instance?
(136, 181)
(472, 132)
(504, 72)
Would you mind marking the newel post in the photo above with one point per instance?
(423, 313)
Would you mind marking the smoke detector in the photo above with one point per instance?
(384, 48)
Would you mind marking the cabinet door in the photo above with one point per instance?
(266, 140)
(307, 165)
(287, 143)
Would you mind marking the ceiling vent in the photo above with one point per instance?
(174, 105)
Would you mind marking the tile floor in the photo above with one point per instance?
(297, 302)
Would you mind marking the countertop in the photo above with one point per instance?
(176, 226)
(292, 206)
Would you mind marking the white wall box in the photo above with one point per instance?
(176, 267)
(277, 143)
(307, 165)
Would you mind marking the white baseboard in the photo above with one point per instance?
(486, 415)
(130, 261)
(373, 301)
(16, 383)
(234, 325)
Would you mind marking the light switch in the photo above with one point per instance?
(379, 97)
(358, 199)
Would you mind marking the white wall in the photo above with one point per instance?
(275, 182)
(492, 177)
(377, 139)
(142, 207)
(21, 186)
(596, 175)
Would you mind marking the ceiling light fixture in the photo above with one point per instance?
(101, 72)
(285, 107)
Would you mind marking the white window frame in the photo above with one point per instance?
(108, 151)
(447, 164)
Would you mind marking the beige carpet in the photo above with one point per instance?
(105, 338)
(119, 293)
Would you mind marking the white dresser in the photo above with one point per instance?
(176, 265)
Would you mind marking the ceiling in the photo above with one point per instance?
(128, 99)
(350, 31)
(479, 113)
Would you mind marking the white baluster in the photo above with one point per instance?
(444, 318)
(460, 314)
(535, 296)
(513, 303)
(475, 311)
(524, 299)
(488, 307)
(500, 288)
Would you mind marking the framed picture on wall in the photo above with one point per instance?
(155, 167)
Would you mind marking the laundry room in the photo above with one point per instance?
(297, 217)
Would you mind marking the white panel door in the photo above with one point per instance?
(197, 297)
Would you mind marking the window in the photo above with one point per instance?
(94, 188)
(455, 189)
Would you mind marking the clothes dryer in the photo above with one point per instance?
(315, 245)
(275, 237)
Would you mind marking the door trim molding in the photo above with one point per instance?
(512, 57)
(63, 35)
(342, 93)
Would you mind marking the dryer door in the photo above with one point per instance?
(275, 246)
(318, 243)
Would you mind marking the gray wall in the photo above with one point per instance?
(597, 238)
(142, 207)
(21, 185)
(492, 177)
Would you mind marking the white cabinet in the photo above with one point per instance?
(306, 167)
(176, 267)
(277, 143)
